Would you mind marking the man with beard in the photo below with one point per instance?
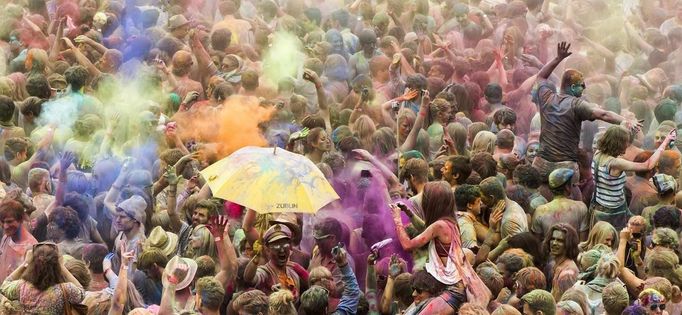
(16, 239)
(201, 214)
(278, 271)
(456, 171)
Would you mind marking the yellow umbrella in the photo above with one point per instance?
(270, 180)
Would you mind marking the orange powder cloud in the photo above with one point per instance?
(231, 127)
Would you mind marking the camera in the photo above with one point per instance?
(365, 93)
(395, 106)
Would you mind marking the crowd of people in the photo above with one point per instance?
(491, 156)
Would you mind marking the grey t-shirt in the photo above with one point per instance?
(562, 116)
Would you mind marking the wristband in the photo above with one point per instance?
(173, 280)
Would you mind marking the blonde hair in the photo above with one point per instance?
(484, 142)
(208, 246)
(600, 231)
(364, 129)
(608, 266)
(506, 309)
(282, 302)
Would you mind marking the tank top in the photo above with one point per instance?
(609, 190)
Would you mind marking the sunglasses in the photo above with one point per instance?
(279, 247)
(661, 307)
(319, 238)
(418, 290)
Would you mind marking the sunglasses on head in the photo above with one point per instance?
(51, 244)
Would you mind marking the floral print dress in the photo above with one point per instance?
(34, 301)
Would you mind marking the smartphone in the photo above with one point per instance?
(337, 248)
(365, 174)
(402, 206)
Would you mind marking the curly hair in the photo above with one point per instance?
(504, 116)
(66, 219)
(528, 176)
(466, 194)
(424, 281)
(76, 76)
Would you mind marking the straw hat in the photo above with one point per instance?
(173, 264)
(176, 21)
(167, 242)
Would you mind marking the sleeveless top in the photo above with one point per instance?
(609, 190)
(447, 273)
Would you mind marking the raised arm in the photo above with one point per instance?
(56, 44)
(311, 76)
(562, 53)
(350, 297)
(115, 191)
(172, 179)
(226, 251)
(82, 60)
(118, 301)
(386, 172)
(411, 140)
(90, 42)
(630, 280)
(625, 165)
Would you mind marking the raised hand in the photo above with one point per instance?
(372, 258)
(311, 76)
(66, 160)
(395, 267)
(362, 154)
(218, 225)
(409, 94)
(562, 50)
(171, 176)
(106, 262)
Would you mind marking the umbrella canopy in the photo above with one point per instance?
(270, 180)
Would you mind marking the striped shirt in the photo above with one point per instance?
(609, 190)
